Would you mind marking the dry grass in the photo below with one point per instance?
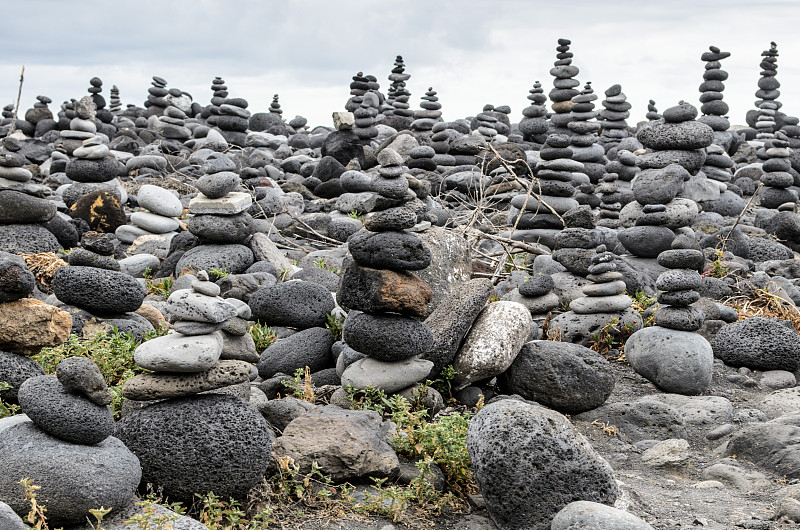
(44, 266)
(763, 303)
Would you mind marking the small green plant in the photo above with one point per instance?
(98, 514)
(216, 274)
(7, 409)
(216, 513)
(322, 263)
(443, 383)
(355, 215)
(641, 303)
(160, 286)
(263, 336)
(151, 519)
(285, 274)
(301, 386)
(718, 269)
(334, 324)
(612, 338)
(36, 516)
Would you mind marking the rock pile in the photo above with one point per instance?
(533, 125)
(563, 87)
(615, 111)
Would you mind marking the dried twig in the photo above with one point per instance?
(16, 108)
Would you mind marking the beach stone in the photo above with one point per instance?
(386, 337)
(600, 304)
(233, 259)
(186, 304)
(667, 454)
(685, 135)
(771, 445)
(646, 241)
(566, 377)
(28, 325)
(80, 375)
(296, 304)
(586, 515)
(494, 341)
(15, 370)
(145, 387)
(10, 520)
(156, 224)
(66, 416)
(27, 239)
(530, 462)
(347, 444)
(218, 185)
(159, 201)
(537, 285)
(452, 319)
(73, 478)
(389, 250)
(16, 281)
(675, 361)
(387, 376)
(197, 444)
(639, 420)
(21, 208)
(281, 412)
(758, 343)
(230, 204)
(451, 263)
(659, 186)
(383, 290)
(101, 209)
(179, 353)
(310, 347)
(98, 290)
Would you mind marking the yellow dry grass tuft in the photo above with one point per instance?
(44, 266)
(764, 303)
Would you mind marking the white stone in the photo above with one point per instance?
(17, 174)
(343, 120)
(180, 353)
(159, 201)
(157, 224)
(185, 304)
(233, 203)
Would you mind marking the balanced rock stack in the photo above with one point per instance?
(41, 116)
(95, 89)
(156, 103)
(358, 87)
(66, 440)
(233, 120)
(616, 110)
(777, 178)
(176, 438)
(192, 359)
(12, 173)
(610, 205)
(81, 124)
(536, 294)
(764, 119)
(652, 111)
(486, 125)
(397, 79)
(22, 214)
(584, 144)
(622, 160)
(563, 87)
(603, 299)
(365, 116)
(430, 114)
(670, 354)
(275, 107)
(422, 157)
(115, 105)
(218, 95)
(533, 125)
(220, 220)
(172, 124)
(554, 189)
(440, 141)
(160, 218)
(384, 340)
(712, 106)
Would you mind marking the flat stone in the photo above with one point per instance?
(156, 224)
(159, 201)
(179, 353)
(232, 203)
(387, 376)
(186, 304)
(386, 337)
(144, 387)
(600, 304)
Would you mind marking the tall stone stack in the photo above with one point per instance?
(765, 119)
(397, 79)
(486, 125)
(777, 178)
(430, 114)
(533, 124)
(383, 333)
(115, 105)
(712, 106)
(616, 110)
(155, 103)
(218, 95)
(95, 89)
(275, 107)
(440, 142)
(584, 144)
(365, 116)
(652, 111)
(233, 120)
(685, 359)
(610, 205)
(564, 85)
(172, 123)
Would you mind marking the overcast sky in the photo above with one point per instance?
(471, 52)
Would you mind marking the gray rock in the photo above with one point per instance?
(566, 377)
(772, 445)
(186, 304)
(389, 250)
(296, 304)
(180, 353)
(758, 343)
(27, 239)
(222, 229)
(159, 201)
(580, 329)
(639, 420)
(198, 444)
(108, 473)
(9, 520)
(20, 208)
(80, 375)
(217, 185)
(586, 515)
(310, 347)
(386, 337)
(163, 385)
(646, 241)
(346, 444)
(387, 376)
(451, 263)
(98, 290)
(15, 370)
(669, 453)
(281, 412)
(233, 259)
(530, 462)
(16, 281)
(675, 361)
(659, 186)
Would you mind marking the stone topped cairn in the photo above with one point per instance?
(115, 104)
(564, 85)
(616, 110)
(584, 142)
(430, 114)
(156, 103)
(233, 120)
(383, 333)
(765, 118)
(536, 294)
(161, 210)
(652, 111)
(533, 124)
(670, 354)
(275, 107)
(397, 79)
(776, 178)
(219, 91)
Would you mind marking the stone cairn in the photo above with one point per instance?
(233, 120)
(159, 218)
(397, 79)
(616, 110)
(422, 157)
(365, 116)
(776, 178)
(275, 107)
(218, 95)
(603, 299)
(95, 89)
(486, 125)
(381, 332)
(430, 114)
(172, 124)
(652, 111)
(536, 294)
(155, 103)
(563, 87)
(12, 173)
(533, 124)
(768, 93)
(718, 164)
(610, 205)
(191, 359)
(115, 104)
(440, 141)
(40, 113)
(501, 113)
(584, 142)
(358, 87)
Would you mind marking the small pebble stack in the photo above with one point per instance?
(533, 124)
(430, 114)
(160, 218)
(422, 157)
(616, 110)
(365, 116)
(652, 111)
(95, 89)
(536, 294)
(218, 95)
(584, 142)
(384, 339)
(233, 120)
(115, 105)
(398, 79)
(604, 295)
(768, 93)
(563, 87)
(156, 103)
(610, 206)
(777, 178)
(275, 107)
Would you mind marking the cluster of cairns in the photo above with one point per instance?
(408, 232)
